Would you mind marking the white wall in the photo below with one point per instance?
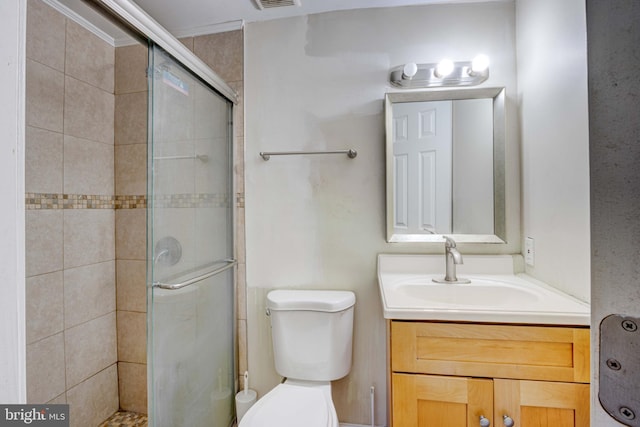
(12, 273)
(318, 82)
(552, 94)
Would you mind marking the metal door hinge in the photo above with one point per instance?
(619, 373)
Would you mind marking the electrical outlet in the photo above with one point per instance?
(529, 251)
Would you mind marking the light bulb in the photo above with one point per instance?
(410, 69)
(480, 63)
(444, 68)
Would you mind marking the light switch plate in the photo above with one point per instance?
(529, 251)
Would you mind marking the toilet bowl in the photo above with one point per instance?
(294, 404)
(312, 334)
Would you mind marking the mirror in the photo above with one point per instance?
(445, 165)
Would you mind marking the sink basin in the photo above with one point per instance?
(496, 293)
(478, 293)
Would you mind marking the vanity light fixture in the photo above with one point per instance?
(444, 73)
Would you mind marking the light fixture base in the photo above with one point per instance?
(426, 76)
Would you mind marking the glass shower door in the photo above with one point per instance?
(190, 272)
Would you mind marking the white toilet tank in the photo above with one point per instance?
(312, 333)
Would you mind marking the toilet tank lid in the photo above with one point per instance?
(310, 300)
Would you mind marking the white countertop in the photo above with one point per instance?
(496, 294)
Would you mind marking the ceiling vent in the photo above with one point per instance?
(268, 4)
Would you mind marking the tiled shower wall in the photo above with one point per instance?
(86, 227)
(130, 227)
(70, 218)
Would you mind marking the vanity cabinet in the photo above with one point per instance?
(450, 374)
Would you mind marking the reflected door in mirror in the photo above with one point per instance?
(422, 151)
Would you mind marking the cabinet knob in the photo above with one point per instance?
(484, 422)
(508, 421)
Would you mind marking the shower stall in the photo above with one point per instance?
(130, 220)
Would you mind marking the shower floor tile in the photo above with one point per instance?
(126, 419)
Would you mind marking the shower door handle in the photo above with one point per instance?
(229, 263)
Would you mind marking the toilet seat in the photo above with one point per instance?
(294, 404)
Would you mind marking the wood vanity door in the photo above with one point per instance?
(436, 401)
(542, 403)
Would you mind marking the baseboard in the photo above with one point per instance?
(357, 425)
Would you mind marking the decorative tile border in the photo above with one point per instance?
(130, 202)
(82, 201)
(35, 201)
(203, 200)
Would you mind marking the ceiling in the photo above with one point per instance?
(196, 17)
(186, 14)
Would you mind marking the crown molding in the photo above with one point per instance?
(81, 21)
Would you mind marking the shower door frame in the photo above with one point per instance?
(197, 274)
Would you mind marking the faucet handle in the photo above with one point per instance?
(449, 242)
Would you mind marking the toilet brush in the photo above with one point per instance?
(245, 398)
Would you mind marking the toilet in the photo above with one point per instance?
(312, 333)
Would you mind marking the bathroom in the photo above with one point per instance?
(325, 216)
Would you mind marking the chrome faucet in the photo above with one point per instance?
(452, 257)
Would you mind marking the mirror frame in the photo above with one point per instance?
(499, 144)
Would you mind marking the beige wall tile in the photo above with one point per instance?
(188, 42)
(43, 241)
(44, 97)
(43, 161)
(45, 369)
(223, 53)
(210, 115)
(58, 400)
(45, 35)
(88, 111)
(132, 337)
(238, 109)
(179, 224)
(90, 348)
(131, 234)
(89, 58)
(89, 292)
(174, 116)
(95, 399)
(88, 236)
(131, 118)
(242, 347)
(131, 285)
(239, 164)
(44, 306)
(131, 169)
(88, 166)
(132, 380)
(241, 292)
(131, 69)
(169, 175)
(240, 236)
